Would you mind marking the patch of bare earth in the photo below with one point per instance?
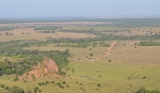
(48, 68)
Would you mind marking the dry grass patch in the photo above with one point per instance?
(126, 51)
(30, 33)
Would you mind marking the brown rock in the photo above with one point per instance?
(47, 67)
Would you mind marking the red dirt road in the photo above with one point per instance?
(109, 49)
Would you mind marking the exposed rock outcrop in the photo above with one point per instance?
(48, 65)
(47, 68)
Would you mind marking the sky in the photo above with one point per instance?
(79, 8)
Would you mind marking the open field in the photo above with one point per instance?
(112, 77)
(30, 33)
(129, 51)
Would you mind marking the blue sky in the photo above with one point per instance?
(79, 8)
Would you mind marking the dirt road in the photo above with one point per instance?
(108, 51)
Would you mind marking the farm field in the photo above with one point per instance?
(102, 56)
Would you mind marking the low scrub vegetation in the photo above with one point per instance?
(149, 43)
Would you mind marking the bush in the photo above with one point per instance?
(42, 83)
(129, 78)
(76, 82)
(29, 91)
(98, 85)
(16, 78)
(59, 84)
(25, 81)
(53, 82)
(91, 54)
(143, 90)
(109, 60)
(46, 82)
(36, 89)
(63, 82)
(16, 89)
(39, 84)
(2, 85)
(7, 88)
(61, 72)
(40, 91)
(144, 77)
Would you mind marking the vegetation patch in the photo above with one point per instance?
(150, 43)
(83, 45)
(28, 58)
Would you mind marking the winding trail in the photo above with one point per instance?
(109, 49)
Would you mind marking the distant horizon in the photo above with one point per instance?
(47, 18)
(19, 9)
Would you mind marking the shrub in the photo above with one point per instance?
(16, 78)
(42, 83)
(46, 82)
(76, 82)
(39, 84)
(61, 72)
(109, 60)
(16, 89)
(129, 78)
(7, 88)
(25, 81)
(63, 82)
(91, 54)
(61, 86)
(40, 91)
(36, 89)
(72, 70)
(143, 90)
(53, 82)
(29, 91)
(67, 86)
(98, 85)
(2, 85)
(144, 77)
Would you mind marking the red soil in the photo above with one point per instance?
(46, 69)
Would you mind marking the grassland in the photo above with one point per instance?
(130, 51)
(112, 77)
(127, 67)
(30, 33)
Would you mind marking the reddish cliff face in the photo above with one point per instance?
(50, 65)
(47, 68)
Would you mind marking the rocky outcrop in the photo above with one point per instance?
(48, 65)
(47, 68)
